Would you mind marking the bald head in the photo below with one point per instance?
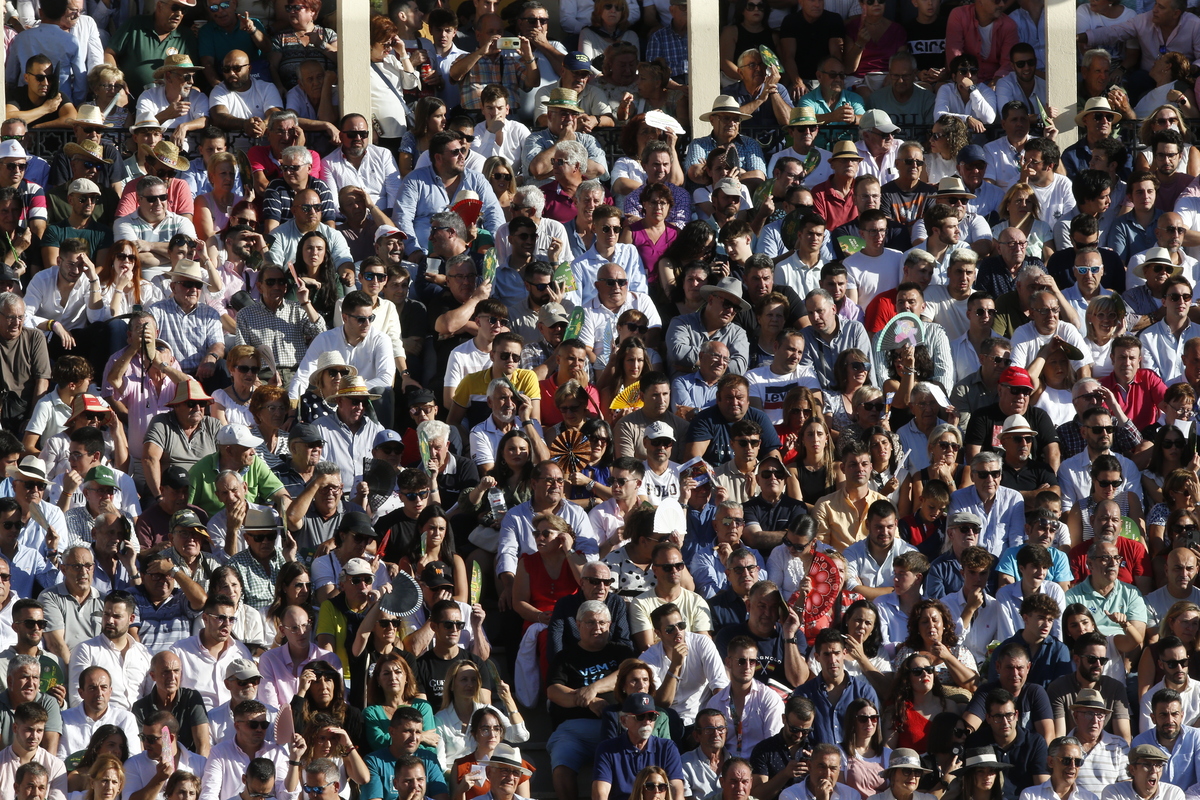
(611, 272)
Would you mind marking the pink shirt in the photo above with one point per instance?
(876, 54)
(144, 401)
(963, 36)
(179, 198)
(261, 159)
(650, 251)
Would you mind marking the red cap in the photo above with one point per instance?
(1016, 376)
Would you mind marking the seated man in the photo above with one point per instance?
(1033, 565)
(247, 758)
(241, 102)
(1022, 752)
(832, 692)
(1089, 658)
(580, 673)
(619, 760)
(761, 706)
(94, 709)
(28, 730)
(385, 764)
(295, 176)
(1033, 707)
(1048, 656)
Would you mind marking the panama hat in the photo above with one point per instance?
(1158, 255)
(87, 149)
(1096, 105)
(168, 154)
(354, 387)
(724, 104)
(729, 287)
(176, 62)
(89, 114)
(188, 270)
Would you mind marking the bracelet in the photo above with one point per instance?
(295, 763)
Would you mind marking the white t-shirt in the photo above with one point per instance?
(253, 102)
(1056, 200)
(154, 99)
(660, 487)
(465, 359)
(771, 389)
(874, 274)
(1026, 342)
(514, 139)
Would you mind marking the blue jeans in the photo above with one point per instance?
(573, 743)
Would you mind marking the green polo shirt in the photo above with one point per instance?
(1124, 598)
(261, 483)
(140, 52)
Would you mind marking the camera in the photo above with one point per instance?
(510, 43)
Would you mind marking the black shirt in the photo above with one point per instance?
(770, 756)
(576, 668)
(986, 423)
(1031, 476)
(1027, 754)
(996, 279)
(772, 517)
(188, 709)
(564, 630)
(771, 650)
(431, 672)
(927, 41)
(60, 172)
(727, 609)
(748, 319)
(808, 57)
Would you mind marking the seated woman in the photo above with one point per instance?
(1106, 482)
(903, 775)
(864, 756)
(1165, 458)
(863, 643)
(1054, 377)
(944, 449)
(1103, 322)
(851, 372)
(322, 691)
(461, 699)
(326, 739)
(653, 233)
(486, 732)
(232, 404)
(814, 465)
(547, 575)
(1180, 492)
(1021, 209)
(626, 367)
(888, 467)
(107, 740)
(393, 686)
(931, 632)
(434, 542)
(917, 696)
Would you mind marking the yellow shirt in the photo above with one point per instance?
(471, 392)
(841, 523)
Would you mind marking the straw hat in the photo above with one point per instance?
(953, 186)
(87, 149)
(564, 98)
(1097, 105)
(1017, 424)
(188, 391)
(505, 755)
(31, 468)
(146, 120)
(332, 359)
(168, 154)
(802, 115)
(87, 403)
(845, 149)
(89, 114)
(354, 387)
(176, 62)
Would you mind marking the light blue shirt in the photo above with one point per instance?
(1181, 766)
(588, 265)
(686, 336)
(422, 194)
(1060, 570)
(1003, 526)
(749, 152)
(516, 534)
(69, 59)
(691, 390)
(190, 335)
(287, 240)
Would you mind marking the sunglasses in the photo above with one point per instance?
(1174, 663)
(926, 670)
(599, 581)
(1176, 297)
(356, 134)
(1097, 660)
(1068, 761)
(858, 366)
(874, 407)
(452, 624)
(612, 282)
(1027, 62)
(675, 567)
(635, 328)
(1086, 270)
(257, 724)
(1099, 429)
(421, 495)
(989, 473)
(30, 624)
(868, 718)
(1109, 484)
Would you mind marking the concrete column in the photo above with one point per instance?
(704, 63)
(1062, 70)
(354, 56)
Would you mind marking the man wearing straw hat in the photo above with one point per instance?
(726, 118)
(173, 100)
(350, 433)
(88, 126)
(562, 113)
(180, 436)
(1104, 754)
(803, 126)
(191, 328)
(163, 161)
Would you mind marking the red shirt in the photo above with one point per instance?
(880, 311)
(830, 204)
(1134, 554)
(1140, 403)
(261, 159)
(550, 413)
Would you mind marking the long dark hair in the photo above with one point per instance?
(592, 427)
(502, 472)
(337, 706)
(326, 296)
(902, 694)
(94, 744)
(279, 603)
(432, 511)
(848, 725)
(875, 638)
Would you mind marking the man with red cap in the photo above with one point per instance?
(983, 431)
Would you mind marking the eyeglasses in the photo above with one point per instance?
(1108, 561)
(1176, 297)
(195, 404)
(1100, 661)
(356, 134)
(221, 619)
(745, 662)
(537, 21)
(1009, 717)
(1021, 391)
(292, 8)
(257, 725)
(361, 580)
(610, 228)
(249, 682)
(1174, 663)
(773, 473)
(231, 68)
(657, 788)
(16, 166)
(599, 581)
(747, 442)
(914, 162)
(374, 277)
(946, 445)
(633, 327)
(1099, 429)
(33, 486)
(994, 474)
(1021, 438)
(966, 70)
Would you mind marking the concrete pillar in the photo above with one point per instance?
(704, 63)
(1062, 70)
(354, 56)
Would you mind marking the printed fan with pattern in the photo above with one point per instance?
(571, 451)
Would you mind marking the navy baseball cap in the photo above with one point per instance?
(577, 60)
(971, 153)
(638, 703)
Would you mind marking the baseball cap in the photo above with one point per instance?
(877, 120)
(577, 60)
(356, 522)
(659, 430)
(638, 703)
(436, 574)
(730, 186)
(386, 436)
(357, 566)
(971, 153)
(237, 434)
(1016, 376)
(389, 230)
(243, 669)
(186, 518)
(101, 475)
(176, 477)
(307, 433)
(552, 314)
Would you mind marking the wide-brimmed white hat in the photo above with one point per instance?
(728, 287)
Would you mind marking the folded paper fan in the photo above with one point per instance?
(490, 263)
(571, 451)
(630, 397)
(469, 210)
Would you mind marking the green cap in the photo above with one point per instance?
(102, 476)
(186, 518)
